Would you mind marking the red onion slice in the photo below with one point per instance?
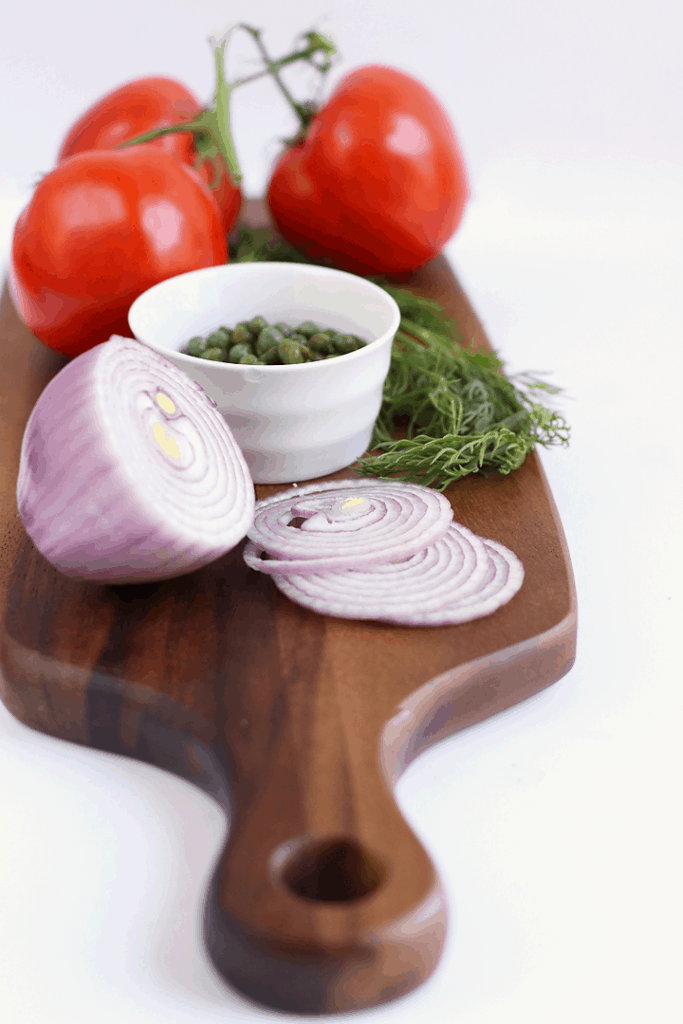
(128, 471)
(458, 578)
(348, 523)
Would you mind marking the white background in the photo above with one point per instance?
(555, 826)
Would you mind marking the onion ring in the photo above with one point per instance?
(396, 521)
(458, 578)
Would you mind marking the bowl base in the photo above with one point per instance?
(270, 466)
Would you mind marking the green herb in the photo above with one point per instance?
(259, 246)
(459, 412)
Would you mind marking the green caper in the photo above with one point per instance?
(250, 359)
(238, 351)
(307, 328)
(271, 356)
(347, 343)
(242, 333)
(196, 346)
(269, 337)
(290, 351)
(215, 353)
(219, 339)
(265, 344)
(320, 342)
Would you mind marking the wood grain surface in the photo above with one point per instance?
(298, 724)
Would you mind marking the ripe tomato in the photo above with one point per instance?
(379, 185)
(101, 228)
(143, 106)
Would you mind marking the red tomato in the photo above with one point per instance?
(143, 106)
(102, 228)
(379, 185)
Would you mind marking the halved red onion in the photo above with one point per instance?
(128, 471)
(346, 523)
(458, 578)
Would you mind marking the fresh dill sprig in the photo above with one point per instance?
(459, 412)
(259, 246)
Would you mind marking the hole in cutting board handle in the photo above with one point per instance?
(332, 871)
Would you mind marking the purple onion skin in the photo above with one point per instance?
(77, 501)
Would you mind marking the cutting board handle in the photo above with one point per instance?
(324, 899)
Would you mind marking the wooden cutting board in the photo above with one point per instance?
(298, 724)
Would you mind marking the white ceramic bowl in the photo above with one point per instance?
(292, 422)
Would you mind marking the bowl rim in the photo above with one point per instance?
(250, 268)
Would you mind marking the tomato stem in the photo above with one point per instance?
(221, 116)
(272, 69)
(211, 128)
(318, 45)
